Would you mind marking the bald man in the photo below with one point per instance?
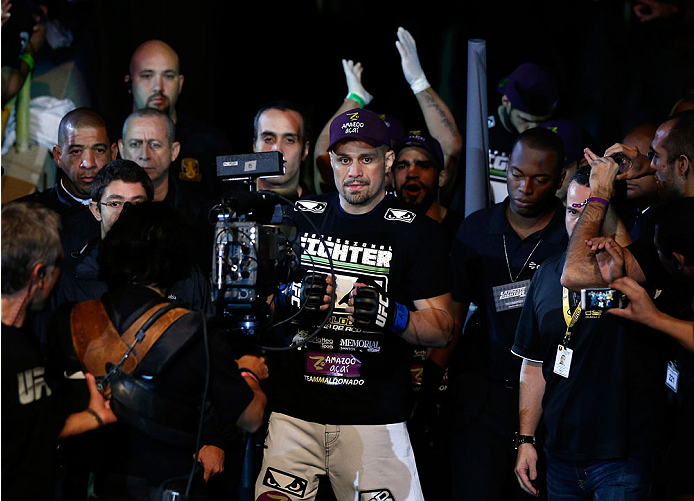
(83, 149)
(155, 81)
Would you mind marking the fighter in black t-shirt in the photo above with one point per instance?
(350, 381)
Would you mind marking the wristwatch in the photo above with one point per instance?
(523, 439)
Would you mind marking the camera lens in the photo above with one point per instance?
(623, 161)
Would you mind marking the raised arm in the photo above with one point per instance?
(437, 116)
(581, 269)
(357, 97)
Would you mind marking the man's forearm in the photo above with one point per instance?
(581, 267)
(531, 391)
(431, 324)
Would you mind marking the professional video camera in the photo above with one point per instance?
(254, 247)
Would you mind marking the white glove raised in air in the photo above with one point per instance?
(411, 68)
(354, 86)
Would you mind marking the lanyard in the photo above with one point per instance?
(569, 318)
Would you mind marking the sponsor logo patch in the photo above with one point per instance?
(285, 482)
(405, 216)
(377, 495)
(310, 206)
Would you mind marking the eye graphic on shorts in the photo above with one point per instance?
(285, 482)
(380, 495)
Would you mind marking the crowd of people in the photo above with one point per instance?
(412, 352)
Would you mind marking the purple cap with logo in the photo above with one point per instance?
(424, 141)
(531, 88)
(359, 125)
(573, 136)
(395, 127)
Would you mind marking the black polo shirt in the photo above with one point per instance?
(479, 264)
(613, 402)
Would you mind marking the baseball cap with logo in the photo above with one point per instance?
(359, 125)
(424, 141)
(531, 88)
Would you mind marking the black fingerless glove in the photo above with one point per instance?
(374, 311)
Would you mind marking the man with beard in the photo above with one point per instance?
(418, 176)
(155, 81)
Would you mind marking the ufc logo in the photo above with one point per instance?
(31, 385)
(382, 314)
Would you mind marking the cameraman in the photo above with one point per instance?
(159, 402)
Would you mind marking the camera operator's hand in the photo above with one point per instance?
(354, 86)
(603, 172)
(256, 364)
(610, 257)
(647, 10)
(371, 309)
(640, 163)
(212, 460)
(640, 307)
(411, 67)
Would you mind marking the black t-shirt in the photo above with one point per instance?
(31, 418)
(481, 275)
(612, 404)
(345, 375)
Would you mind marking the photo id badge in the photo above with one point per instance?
(672, 377)
(562, 363)
(510, 296)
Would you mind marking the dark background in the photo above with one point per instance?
(614, 71)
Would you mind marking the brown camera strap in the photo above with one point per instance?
(97, 341)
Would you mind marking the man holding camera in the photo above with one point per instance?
(595, 381)
(343, 399)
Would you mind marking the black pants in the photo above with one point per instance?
(485, 420)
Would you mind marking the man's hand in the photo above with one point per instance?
(255, 363)
(354, 86)
(98, 403)
(647, 10)
(603, 172)
(411, 68)
(640, 163)
(212, 460)
(610, 257)
(371, 309)
(312, 295)
(640, 307)
(526, 468)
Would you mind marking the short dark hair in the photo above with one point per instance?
(284, 105)
(152, 113)
(581, 176)
(30, 236)
(675, 222)
(121, 170)
(79, 118)
(680, 139)
(147, 245)
(539, 138)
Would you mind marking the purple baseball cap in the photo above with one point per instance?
(531, 88)
(359, 125)
(395, 127)
(573, 136)
(424, 141)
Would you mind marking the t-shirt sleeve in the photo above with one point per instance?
(528, 343)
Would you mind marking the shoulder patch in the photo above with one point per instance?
(310, 206)
(403, 215)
